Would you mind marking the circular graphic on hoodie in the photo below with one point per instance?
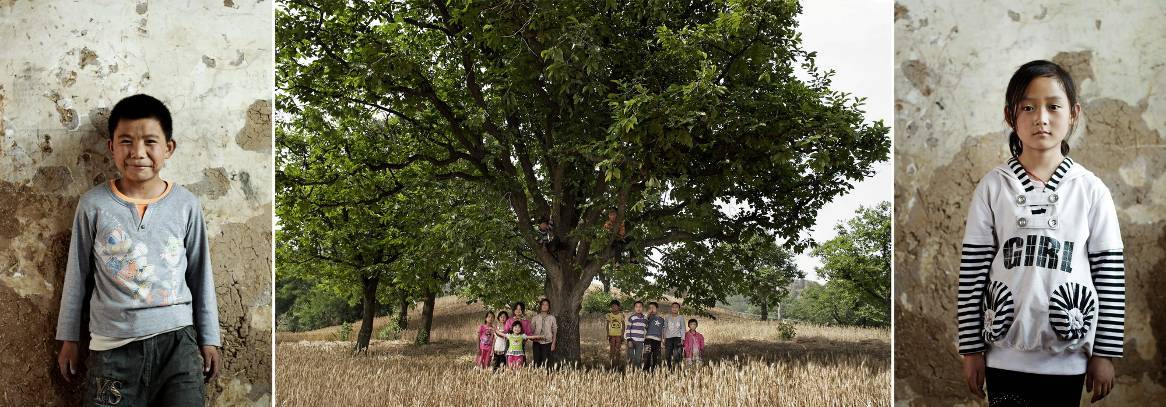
(998, 311)
(1071, 311)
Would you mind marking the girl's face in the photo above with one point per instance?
(1044, 116)
(489, 319)
(516, 329)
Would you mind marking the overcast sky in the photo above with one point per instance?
(855, 39)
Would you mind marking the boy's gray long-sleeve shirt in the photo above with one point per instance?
(674, 326)
(151, 274)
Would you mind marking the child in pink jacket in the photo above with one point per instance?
(693, 345)
(485, 341)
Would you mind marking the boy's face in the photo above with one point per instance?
(614, 308)
(140, 149)
(1044, 116)
(692, 326)
(639, 308)
(651, 309)
(544, 306)
(675, 309)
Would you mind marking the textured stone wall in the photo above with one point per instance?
(63, 64)
(953, 63)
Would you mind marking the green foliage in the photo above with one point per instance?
(389, 332)
(344, 332)
(422, 337)
(599, 302)
(786, 330)
(857, 264)
(767, 269)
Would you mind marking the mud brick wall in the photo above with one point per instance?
(953, 61)
(63, 64)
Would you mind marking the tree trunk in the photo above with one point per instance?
(426, 318)
(369, 300)
(403, 313)
(566, 296)
(779, 317)
(603, 278)
(764, 311)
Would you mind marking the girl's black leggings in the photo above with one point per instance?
(1012, 388)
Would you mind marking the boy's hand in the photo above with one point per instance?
(210, 362)
(1099, 377)
(974, 367)
(68, 360)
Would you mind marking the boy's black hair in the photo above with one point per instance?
(141, 106)
(613, 302)
(638, 302)
(675, 303)
(693, 321)
(653, 304)
(1019, 83)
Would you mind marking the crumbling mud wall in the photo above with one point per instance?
(954, 60)
(64, 65)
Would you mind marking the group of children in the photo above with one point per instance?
(507, 343)
(502, 337)
(645, 334)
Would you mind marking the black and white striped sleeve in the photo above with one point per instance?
(976, 253)
(1108, 271)
(975, 264)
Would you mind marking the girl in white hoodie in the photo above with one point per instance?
(1041, 304)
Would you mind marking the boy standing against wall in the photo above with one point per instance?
(153, 317)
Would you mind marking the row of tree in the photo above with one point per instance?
(517, 146)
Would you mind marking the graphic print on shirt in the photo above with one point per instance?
(1071, 309)
(998, 311)
(128, 262)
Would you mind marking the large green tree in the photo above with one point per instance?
(660, 114)
(857, 263)
(767, 271)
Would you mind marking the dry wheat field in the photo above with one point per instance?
(747, 365)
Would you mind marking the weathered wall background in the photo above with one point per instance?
(953, 63)
(63, 65)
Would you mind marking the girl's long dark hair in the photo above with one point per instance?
(1019, 83)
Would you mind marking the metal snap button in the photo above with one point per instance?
(1053, 223)
(1022, 222)
(142, 227)
(1053, 198)
(1020, 200)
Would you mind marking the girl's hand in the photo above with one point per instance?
(974, 366)
(1099, 377)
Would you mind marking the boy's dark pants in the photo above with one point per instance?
(1011, 388)
(165, 370)
(652, 354)
(542, 354)
(674, 350)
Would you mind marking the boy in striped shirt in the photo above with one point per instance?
(634, 334)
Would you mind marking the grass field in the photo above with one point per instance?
(746, 364)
